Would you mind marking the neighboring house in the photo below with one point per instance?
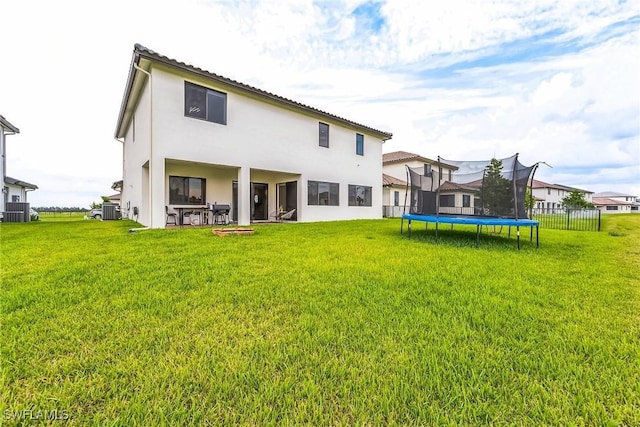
(117, 197)
(548, 197)
(394, 168)
(114, 198)
(612, 202)
(393, 196)
(13, 190)
(17, 190)
(191, 137)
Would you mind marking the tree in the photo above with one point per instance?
(497, 191)
(529, 200)
(95, 205)
(575, 200)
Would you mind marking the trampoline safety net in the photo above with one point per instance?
(488, 188)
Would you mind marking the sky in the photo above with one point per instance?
(555, 81)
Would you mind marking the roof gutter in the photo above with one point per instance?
(127, 93)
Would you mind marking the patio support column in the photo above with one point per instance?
(244, 195)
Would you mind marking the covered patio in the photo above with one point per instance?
(227, 194)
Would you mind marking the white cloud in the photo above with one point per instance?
(552, 89)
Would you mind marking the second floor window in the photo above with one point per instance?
(205, 104)
(324, 135)
(359, 144)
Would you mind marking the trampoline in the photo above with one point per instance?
(477, 221)
(481, 193)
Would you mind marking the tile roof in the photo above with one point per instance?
(606, 194)
(404, 156)
(541, 184)
(397, 156)
(454, 186)
(144, 52)
(602, 201)
(388, 181)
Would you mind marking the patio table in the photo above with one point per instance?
(182, 208)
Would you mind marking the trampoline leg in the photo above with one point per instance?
(537, 241)
(436, 231)
(509, 234)
(478, 230)
(518, 232)
(409, 228)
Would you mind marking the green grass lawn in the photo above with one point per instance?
(320, 324)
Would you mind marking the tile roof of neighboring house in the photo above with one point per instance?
(140, 51)
(388, 181)
(454, 186)
(397, 156)
(404, 156)
(606, 194)
(603, 201)
(13, 181)
(5, 124)
(541, 184)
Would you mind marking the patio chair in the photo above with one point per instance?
(276, 215)
(196, 218)
(170, 216)
(187, 215)
(287, 215)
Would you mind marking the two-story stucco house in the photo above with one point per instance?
(192, 137)
(13, 190)
(548, 197)
(394, 168)
(614, 202)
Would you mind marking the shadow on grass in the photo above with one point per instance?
(468, 238)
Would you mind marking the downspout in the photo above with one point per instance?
(150, 142)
